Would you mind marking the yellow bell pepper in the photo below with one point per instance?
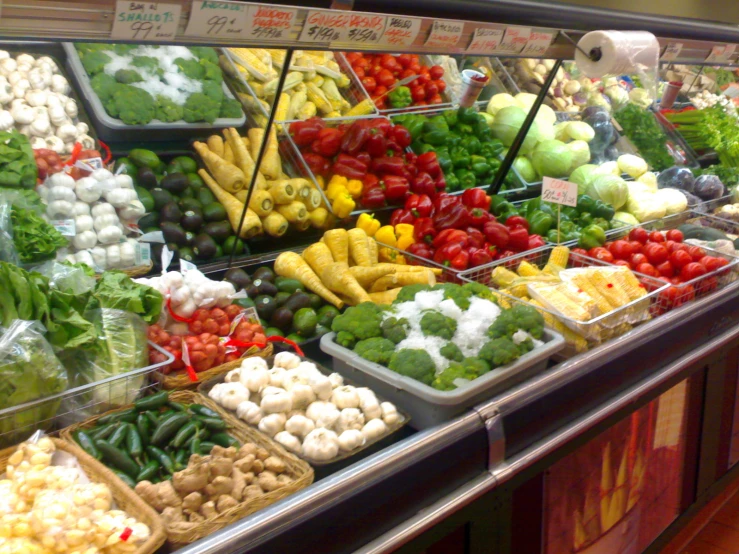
(343, 205)
(400, 260)
(336, 187)
(388, 255)
(368, 224)
(321, 182)
(404, 241)
(386, 235)
(404, 229)
(355, 186)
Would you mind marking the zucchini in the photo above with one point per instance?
(701, 233)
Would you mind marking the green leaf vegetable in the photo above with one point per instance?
(642, 129)
(34, 238)
(17, 164)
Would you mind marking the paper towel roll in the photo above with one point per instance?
(621, 53)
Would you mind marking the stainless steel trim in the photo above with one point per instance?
(310, 502)
(496, 440)
(511, 467)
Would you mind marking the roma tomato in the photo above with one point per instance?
(665, 269)
(707, 285)
(431, 89)
(436, 99)
(638, 259)
(436, 72)
(680, 258)
(639, 234)
(676, 246)
(600, 253)
(441, 85)
(656, 236)
(692, 271)
(696, 252)
(647, 269)
(655, 253)
(675, 234)
(621, 249)
(710, 263)
(405, 60)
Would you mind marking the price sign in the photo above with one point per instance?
(721, 54)
(538, 43)
(445, 34)
(217, 19)
(514, 40)
(145, 21)
(66, 227)
(672, 51)
(485, 40)
(142, 252)
(400, 31)
(365, 28)
(557, 191)
(270, 22)
(323, 26)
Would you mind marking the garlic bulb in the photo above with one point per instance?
(71, 108)
(59, 84)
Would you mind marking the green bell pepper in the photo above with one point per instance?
(530, 207)
(585, 204)
(467, 179)
(479, 166)
(453, 139)
(451, 117)
(463, 129)
(452, 183)
(568, 212)
(436, 123)
(491, 149)
(603, 210)
(585, 219)
(400, 97)
(460, 157)
(444, 159)
(540, 223)
(496, 203)
(591, 237)
(414, 124)
(471, 144)
(417, 145)
(467, 115)
(437, 138)
(425, 148)
(602, 223)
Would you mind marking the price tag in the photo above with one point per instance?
(323, 26)
(445, 34)
(154, 236)
(557, 191)
(538, 43)
(65, 226)
(721, 54)
(217, 19)
(94, 163)
(485, 40)
(271, 22)
(186, 266)
(142, 21)
(514, 40)
(142, 252)
(365, 28)
(400, 31)
(672, 51)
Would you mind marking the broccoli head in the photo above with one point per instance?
(146, 63)
(360, 322)
(213, 90)
(469, 369)
(376, 349)
(451, 352)
(104, 86)
(123, 49)
(128, 76)
(205, 53)
(457, 293)
(475, 366)
(408, 293)
(212, 71)
(438, 325)
(230, 109)
(414, 363)
(479, 290)
(95, 61)
(190, 68)
(395, 329)
(199, 107)
(503, 326)
(346, 339)
(529, 319)
(167, 110)
(132, 105)
(498, 352)
(524, 346)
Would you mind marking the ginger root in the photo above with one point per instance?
(252, 491)
(267, 481)
(246, 449)
(220, 467)
(284, 479)
(192, 502)
(159, 496)
(220, 452)
(262, 453)
(244, 464)
(208, 509)
(193, 478)
(195, 517)
(171, 515)
(219, 486)
(275, 465)
(239, 483)
(258, 466)
(225, 502)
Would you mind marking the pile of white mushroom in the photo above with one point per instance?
(35, 101)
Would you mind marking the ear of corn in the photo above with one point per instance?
(316, 96)
(365, 107)
(254, 64)
(525, 269)
(283, 107)
(503, 277)
(559, 256)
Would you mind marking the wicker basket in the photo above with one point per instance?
(124, 497)
(179, 534)
(133, 272)
(181, 380)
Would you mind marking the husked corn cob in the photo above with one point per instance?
(283, 107)
(365, 107)
(584, 283)
(502, 301)
(316, 96)
(254, 64)
(525, 269)
(258, 89)
(560, 302)
(292, 80)
(580, 297)
(630, 283)
(297, 101)
(334, 96)
(503, 277)
(609, 288)
(307, 111)
(278, 56)
(317, 80)
(552, 269)
(577, 341)
(519, 291)
(559, 256)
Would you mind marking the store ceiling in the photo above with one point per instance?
(691, 9)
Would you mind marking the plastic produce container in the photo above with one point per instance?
(426, 405)
(111, 129)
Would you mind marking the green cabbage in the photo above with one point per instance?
(579, 130)
(552, 158)
(525, 169)
(609, 189)
(506, 125)
(632, 165)
(580, 153)
(582, 176)
(673, 199)
(500, 101)
(623, 217)
(609, 168)
(645, 207)
(547, 114)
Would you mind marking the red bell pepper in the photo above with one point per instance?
(396, 188)
(518, 238)
(428, 163)
(401, 135)
(421, 250)
(379, 124)
(411, 157)
(447, 252)
(420, 205)
(424, 230)
(327, 142)
(305, 132)
(370, 181)
(461, 261)
(365, 158)
(516, 220)
(497, 234)
(480, 217)
(535, 241)
(402, 215)
(376, 145)
(440, 183)
(355, 137)
(455, 216)
(479, 256)
(476, 198)
(476, 238)
(350, 167)
(450, 235)
(393, 149)
(444, 201)
(423, 183)
(318, 165)
(373, 198)
(389, 165)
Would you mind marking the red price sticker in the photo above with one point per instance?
(445, 34)
(324, 27)
(672, 51)
(145, 21)
(514, 40)
(400, 31)
(270, 23)
(485, 40)
(538, 43)
(558, 191)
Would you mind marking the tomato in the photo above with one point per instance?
(407, 73)
(422, 79)
(623, 263)
(351, 57)
(431, 89)
(723, 263)
(707, 285)
(670, 245)
(385, 78)
(369, 84)
(696, 252)
(637, 259)
(415, 68)
(441, 85)
(665, 269)
(639, 234)
(380, 90)
(655, 253)
(636, 246)
(692, 271)
(675, 234)
(390, 64)
(656, 236)
(359, 72)
(710, 263)
(421, 103)
(600, 253)
(418, 94)
(362, 62)
(375, 71)
(679, 259)
(668, 298)
(436, 72)
(647, 269)
(436, 99)
(405, 60)
(621, 249)
(677, 246)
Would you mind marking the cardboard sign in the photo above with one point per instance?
(445, 34)
(217, 19)
(485, 40)
(558, 191)
(145, 21)
(270, 23)
(400, 31)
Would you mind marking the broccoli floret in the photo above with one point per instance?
(123, 49)
(212, 71)
(479, 290)
(167, 110)
(475, 366)
(529, 319)
(469, 369)
(213, 90)
(132, 105)
(458, 294)
(413, 363)
(524, 346)
(87, 47)
(128, 76)
(408, 293)
(359, 322)
(199, 107)
(346, 339)
(104, 86)
(190, 68)
(504, 325)
(376, 349)
(395, 329)
(438, 325)
(498, 352)
(230, 109)
(146, 63)
(205, 53)
(95, 61)
(451, 352)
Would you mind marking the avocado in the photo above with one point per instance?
(204, 247)
(190, 204)
(186, 254)
(295, 337)
(145, 178)
(187, 164)
(145, 197)
(244, 302)
(160, 169)
(282, 318)
(144, 158)
(173, 233)
(150, 229)
(127, 164)
(192, 220)
(297, 301)
(189, 238)
(273, 332)
(174, 167)
(205, 196)
(281, 298)
(315, 301)
(288, 285)
(265, 306)
(326, 315)
(149, 220)
(161, 197)
(173, 247)
(321, 330)
(234, 245)
(264, 287)
(238, 278)
(219, 251)
(170, 212)
(195, 181)
(305, 321)
(187, 193)
(213, 211)
(176, 183)
(264, 273)
(218, 231)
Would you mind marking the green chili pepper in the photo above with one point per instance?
(152, 402)
(162, 457)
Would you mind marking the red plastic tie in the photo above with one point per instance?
(191, 373)
(75, 154)
(108, 154)
(127, 532)
(175, 316)
(289, 342)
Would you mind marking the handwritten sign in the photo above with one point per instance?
(559, 192)
(323, 26)
(365, 28)
(514, 40)
(217, 19)
(538, 43)
(400, 31)
(270, 22)
(485, 40)
(672, 51)
(445, 34)
(721, 54)
(145, 21)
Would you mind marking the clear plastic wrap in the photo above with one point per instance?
(8, 253)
